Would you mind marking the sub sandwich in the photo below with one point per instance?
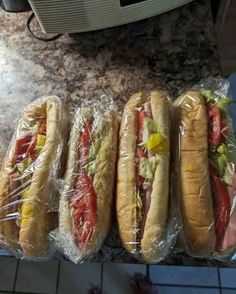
(143, 175)
(86, 200)
(206, 172)
(27, 178)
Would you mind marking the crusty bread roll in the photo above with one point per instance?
(103, 183)
(126, 185)
(9, 231)
(31, 232)
(195, 191)
(148, 247)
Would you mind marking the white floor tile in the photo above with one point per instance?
(116, 277)
(78, 279)
(186, 290)
(228, 291)
(7, 273)
(36, 277)
(228, 277)
(183, 275)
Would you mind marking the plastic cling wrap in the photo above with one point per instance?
(143, 205)
(88, 185)
(28, 200)
(206, 170)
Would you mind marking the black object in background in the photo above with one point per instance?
(215, 4)
(129, 2)
(15, 5)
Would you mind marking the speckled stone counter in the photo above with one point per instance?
(170, 52)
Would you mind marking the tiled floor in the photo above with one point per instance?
(66, 278)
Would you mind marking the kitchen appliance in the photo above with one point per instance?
(15, 5)
(71, 16)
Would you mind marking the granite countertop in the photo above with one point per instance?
(169, 52)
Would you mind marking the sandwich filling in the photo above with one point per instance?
(222, 169)
(83, 201)
(150, 142)
(27, 150)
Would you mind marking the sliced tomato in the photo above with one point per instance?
(86, 134)
(222, 207)
(31, 149)
(43, 128)
(214, 125)
(139, 181)
(140, 152)
(85, 143)
(141, 117)
(84, 210)
(140, 122)
(14, 183)
(21, 147)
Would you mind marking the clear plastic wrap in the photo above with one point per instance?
(28, 194)
(146, 218)
(88, 184)
(205, 159)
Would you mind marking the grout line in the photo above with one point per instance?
(24, 292)
(16, 274)
(101, 280)
(10, 292)
(219, 279)
(188, 286)
(58, 276)
(148, 271)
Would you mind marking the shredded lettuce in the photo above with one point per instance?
(153, 138)
(220, 102)
(91, 167)
(222, 149)
(221, 162)
(24, 164)
(147, 167)
(229, 173)
(208, 95)
(96, 144)
(221, 158)
(150, 125)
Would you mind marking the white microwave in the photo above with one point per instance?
(71, 16)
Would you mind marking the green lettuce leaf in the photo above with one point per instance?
(147, 167)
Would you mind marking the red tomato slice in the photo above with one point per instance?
(222, 207)
(43, 129)
(140, 152)
(22, 144)
(85, 143)
(140, 122)
(214, 125)
(141, 118)
(85, 136)
(139, 180)
(85, 210)
(31, 149)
